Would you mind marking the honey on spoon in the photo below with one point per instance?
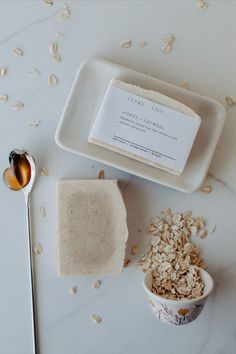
(18, 175)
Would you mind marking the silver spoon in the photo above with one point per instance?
(27, 190)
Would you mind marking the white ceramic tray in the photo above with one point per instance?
(83, 101)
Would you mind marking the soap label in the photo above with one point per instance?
(144, 128)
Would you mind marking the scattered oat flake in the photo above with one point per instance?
(202, 5)
(44, 171)
(203, 234)
(167, 48)
(169, 39)
(140, 229)
(18, 105)
(206, 189)
(17, 52)
(97, 284)
(211, 228)
(142, 44)
(73, 290)
(53, 50)
(34, 123)
(38, 248)
(56, 57)
(230, 100)
(127, 43)
(53, 47)
(42, 212)
(3, 98)
(96, 318)
(126, 262)
(52, 80)
(48, 2)
(134, 250)
(101, 174)
(3, 71)
(34, 72)
(60, 34)
(185, 85)
(65, 12)
(199, 223)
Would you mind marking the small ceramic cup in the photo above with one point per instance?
(177, 312)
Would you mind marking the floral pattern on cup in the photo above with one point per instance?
(177, 317)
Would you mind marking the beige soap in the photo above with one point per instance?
(92, 228)
(145, 125)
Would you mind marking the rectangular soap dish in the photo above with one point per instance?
(83, 101)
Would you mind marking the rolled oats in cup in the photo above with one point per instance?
(176, 284)
(182, 310)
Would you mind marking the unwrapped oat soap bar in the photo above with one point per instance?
(146, 126)
(92, 229)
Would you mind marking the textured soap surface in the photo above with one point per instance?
(145, 125)
(92, 229)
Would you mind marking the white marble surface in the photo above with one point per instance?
(203, 55)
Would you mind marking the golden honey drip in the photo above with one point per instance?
(10, 180)
(18, 175)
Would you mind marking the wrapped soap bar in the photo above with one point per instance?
(92, 229)
(146, 126)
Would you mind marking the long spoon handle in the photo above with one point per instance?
(32, 281)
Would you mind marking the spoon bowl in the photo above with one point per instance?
(28, 187)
